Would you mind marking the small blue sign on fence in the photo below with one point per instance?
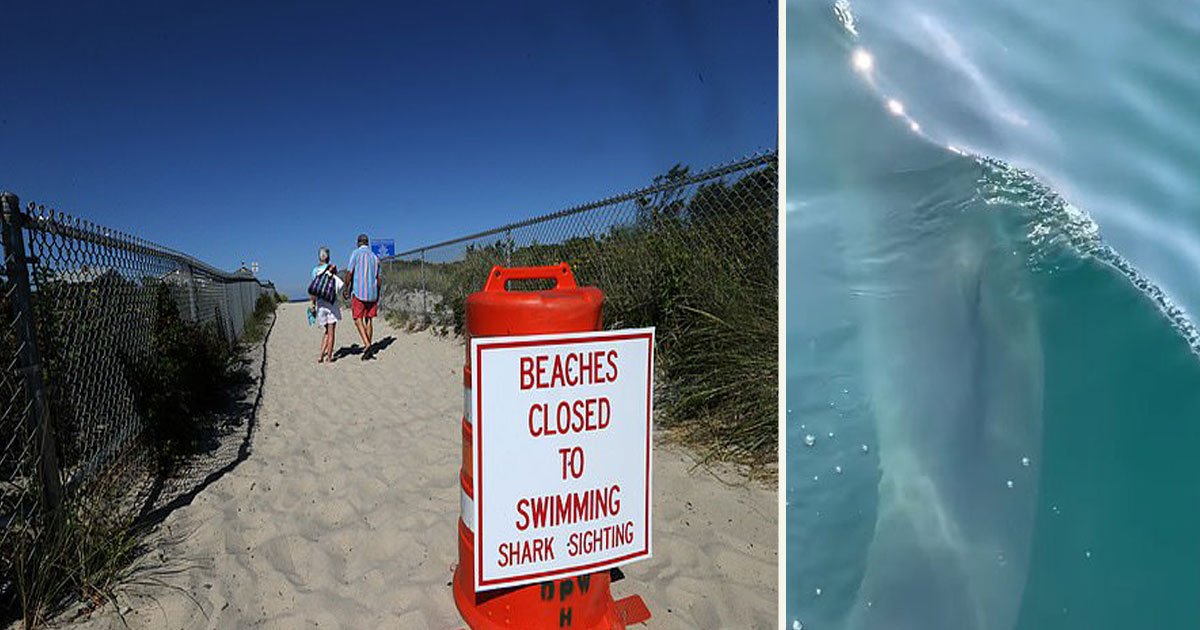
(384, 247)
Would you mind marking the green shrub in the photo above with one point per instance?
(256, 328)
(178, 383)
(182, 380)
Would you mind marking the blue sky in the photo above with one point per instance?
(251, 132)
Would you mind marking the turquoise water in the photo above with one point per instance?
(993, 250)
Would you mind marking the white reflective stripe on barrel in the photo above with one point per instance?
(467, 509)
(467, 405)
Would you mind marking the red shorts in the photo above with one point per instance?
(360, 309)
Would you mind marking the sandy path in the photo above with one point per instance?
(344, 515)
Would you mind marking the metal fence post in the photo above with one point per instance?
(424, 306)
(30, 368)
(190, 279)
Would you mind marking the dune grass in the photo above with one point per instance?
(256, 328)
(76, 556)
(702, 269)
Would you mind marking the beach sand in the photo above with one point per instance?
(345, 513)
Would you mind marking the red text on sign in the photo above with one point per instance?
(569, 370)
(526, 551)
(588, 414)
(572, 462)
(572, 507)
(600, 539)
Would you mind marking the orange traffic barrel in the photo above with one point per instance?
(583, 601)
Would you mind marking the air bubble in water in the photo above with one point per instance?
(837, 469)
(1025, 462)
(796, 625)
(831, 434)
(816, 478)
(1009, 483)
(818, 591)
(810, 439)
(866, 449)
(1087, 554)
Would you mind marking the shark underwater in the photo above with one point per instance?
(952, 360)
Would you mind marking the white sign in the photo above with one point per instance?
(561, 454)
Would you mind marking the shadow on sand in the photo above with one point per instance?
(346, 351)
(224, 443)
(357, 350)
(380, 346)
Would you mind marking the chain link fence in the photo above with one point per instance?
(694, 254)
(82, 308)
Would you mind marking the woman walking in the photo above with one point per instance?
(327, 309)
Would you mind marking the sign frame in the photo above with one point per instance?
(478, 345)
(384, 247)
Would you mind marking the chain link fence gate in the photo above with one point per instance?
(694, 254)
(80, 307)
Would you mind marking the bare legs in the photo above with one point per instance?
(327, 343)
(365, 330)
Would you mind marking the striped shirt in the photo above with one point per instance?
(364, 267)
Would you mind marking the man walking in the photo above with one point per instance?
(362, 279)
